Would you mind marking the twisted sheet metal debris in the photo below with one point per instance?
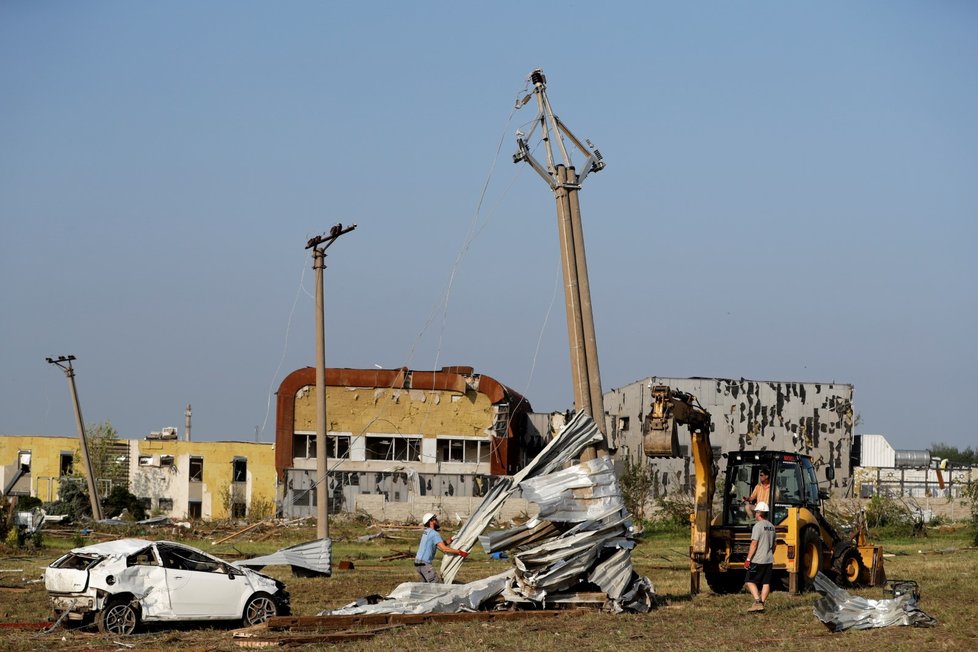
(839, 610)
(579, 432)
(312, 555)
(581, 541)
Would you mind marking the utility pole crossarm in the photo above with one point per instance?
(552, 127)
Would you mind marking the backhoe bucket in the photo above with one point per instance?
(661, 438)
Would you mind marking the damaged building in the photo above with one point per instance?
(400, 436)
(811, 418)
(180, 479)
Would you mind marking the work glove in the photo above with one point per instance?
(747, 564)
(463, 554)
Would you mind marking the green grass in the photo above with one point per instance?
(944, 564)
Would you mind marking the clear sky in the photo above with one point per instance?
(790, 194)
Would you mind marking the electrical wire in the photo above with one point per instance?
(285, 346)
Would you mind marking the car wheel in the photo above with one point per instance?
(260, 607)
(119, 617)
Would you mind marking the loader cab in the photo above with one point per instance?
(792, 484)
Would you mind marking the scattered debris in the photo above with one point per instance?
(839, 610)
(237, 533)
(312, 557)
(577, 551)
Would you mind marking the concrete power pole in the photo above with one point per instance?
(319, 244)
(64, 362)
(565, 184)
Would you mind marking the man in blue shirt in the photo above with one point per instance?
(760, 557)
(430, 541)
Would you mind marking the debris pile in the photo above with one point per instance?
(580, 543)
(839, 610)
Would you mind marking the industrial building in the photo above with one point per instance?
(815, 419)
(909, 473)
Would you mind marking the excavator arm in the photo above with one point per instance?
(671, 409)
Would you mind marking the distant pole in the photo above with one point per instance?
(64, 362)
(319, 244)
(186, 425)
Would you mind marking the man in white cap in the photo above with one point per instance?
(760, 556)
(430, 541)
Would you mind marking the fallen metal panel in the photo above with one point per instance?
(313, 555)
(576, 494)
(521, 535)
(421, 598)
(839, 610)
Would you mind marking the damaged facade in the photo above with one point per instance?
(811, 418)
(180, 479)
(399, 434)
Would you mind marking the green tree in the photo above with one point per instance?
(966, 457)
(102, 439)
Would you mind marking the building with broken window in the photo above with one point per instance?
(398, 435)
(181, 479)
(815, 419)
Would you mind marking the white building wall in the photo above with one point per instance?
(876, 451)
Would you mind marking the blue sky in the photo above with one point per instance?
(790, 194)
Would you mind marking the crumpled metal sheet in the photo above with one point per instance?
(580, 432)
(313, 555)
(839, 610)
(421, 598)
(561, 563)
(522, 535)
(576, 494)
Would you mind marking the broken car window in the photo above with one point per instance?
(144, 557)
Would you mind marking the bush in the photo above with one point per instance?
(72, 499)
(884, 512)
(636, 482)
(120, 499)
(971, 498)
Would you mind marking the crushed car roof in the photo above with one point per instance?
(117, 547)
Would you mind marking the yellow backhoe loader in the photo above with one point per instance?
(806, 542)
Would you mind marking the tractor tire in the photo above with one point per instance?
(848, 567)
(727, 582)
(812, 559)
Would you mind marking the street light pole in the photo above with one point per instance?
(319, 244)
(64, 362)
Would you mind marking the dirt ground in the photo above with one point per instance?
(943, 563)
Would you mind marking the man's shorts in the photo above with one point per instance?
(759, 574)
(427, 573)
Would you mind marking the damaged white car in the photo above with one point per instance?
(122, 583)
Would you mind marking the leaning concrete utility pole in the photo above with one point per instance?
(319, 245)
(565, 184)
(64, 362)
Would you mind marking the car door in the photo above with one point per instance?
(200, 586)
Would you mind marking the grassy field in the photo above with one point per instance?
(943, 563)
